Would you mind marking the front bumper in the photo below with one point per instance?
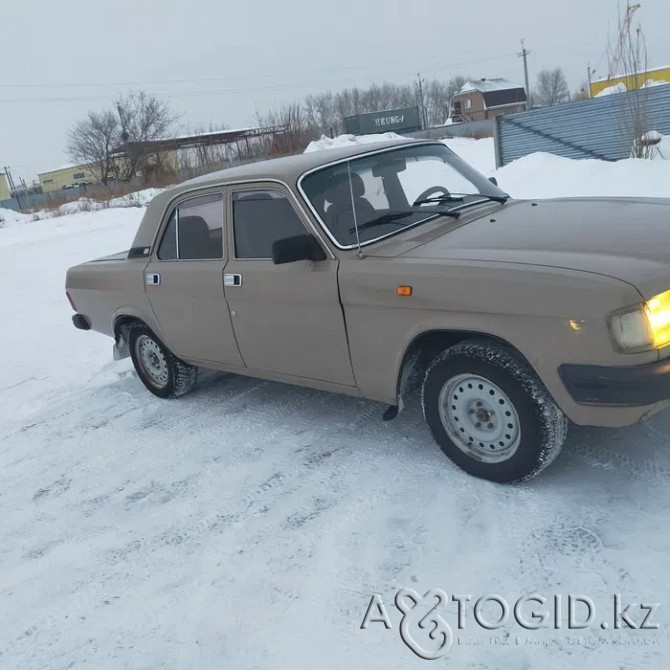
(635, 386)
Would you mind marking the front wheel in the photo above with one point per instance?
(490, 413)
(165, 375)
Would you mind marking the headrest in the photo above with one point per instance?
(339, 187)
(196, 225)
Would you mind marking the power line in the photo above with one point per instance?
(191, 80)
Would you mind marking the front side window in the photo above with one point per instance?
(364, 199)
(261, 217)
(195, 230)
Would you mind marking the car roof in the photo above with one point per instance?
(287, 169)
(290, 168)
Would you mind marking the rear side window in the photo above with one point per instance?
(261, 218)
(195, 230)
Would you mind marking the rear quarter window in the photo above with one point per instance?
(194, 230)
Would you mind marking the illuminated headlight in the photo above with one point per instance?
(645, 327)
(658, 313)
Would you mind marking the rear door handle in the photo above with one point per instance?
(232, 280)
(152, 279)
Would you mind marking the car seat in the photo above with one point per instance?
(340, 213)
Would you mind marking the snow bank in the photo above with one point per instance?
(135, 199)
(611, 90)
(9, 217)
(651, 83)
(481, 154)
(621, 87)
(349, 140)
(544, 175)
(659, 144)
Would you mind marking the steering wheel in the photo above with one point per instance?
(433, 190)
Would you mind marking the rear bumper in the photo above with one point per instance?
(636, 386)
(81, 322)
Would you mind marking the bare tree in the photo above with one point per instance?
(207, 156)
(92, 141)
(113, 143)
(143, 119)
(321, 114)
(348, 102)
(551, 88)
(295, 136)
(438, 95)
(630, 61)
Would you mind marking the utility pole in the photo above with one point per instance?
(589, 72)
(24, 186)
(524, 54)
(422, 108)
(12, 188)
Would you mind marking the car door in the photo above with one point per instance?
(184, 282)
(287, 318)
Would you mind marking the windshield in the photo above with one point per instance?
(362, 200)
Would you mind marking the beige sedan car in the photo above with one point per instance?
(377, 269)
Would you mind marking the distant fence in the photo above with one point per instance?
(25, 202)
(588, 129)
(468, 129)
(38, 200)
(31, 202)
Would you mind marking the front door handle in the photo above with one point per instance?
(232, 280)
(152, 279)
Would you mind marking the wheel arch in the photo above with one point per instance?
(121, 326)
(423, 349)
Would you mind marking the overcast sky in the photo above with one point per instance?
(221, 61)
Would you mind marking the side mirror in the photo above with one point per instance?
(298, 248)
(493, 180)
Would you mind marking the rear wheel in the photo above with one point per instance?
(165, 375)
(490, 413)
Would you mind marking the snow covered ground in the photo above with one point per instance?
(248, 524)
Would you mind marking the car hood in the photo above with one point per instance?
(624, 238)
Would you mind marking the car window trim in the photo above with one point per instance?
(259, 187)
(173, 207)
(224, 187)
(176, 232)
(322, 223)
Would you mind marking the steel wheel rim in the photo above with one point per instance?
(479, 418)
(152, 360)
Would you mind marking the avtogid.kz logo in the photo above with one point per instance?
(425, 630)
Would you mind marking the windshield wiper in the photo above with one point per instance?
(460, 197)
(482, 196)
(439, 199)
(393, 217)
